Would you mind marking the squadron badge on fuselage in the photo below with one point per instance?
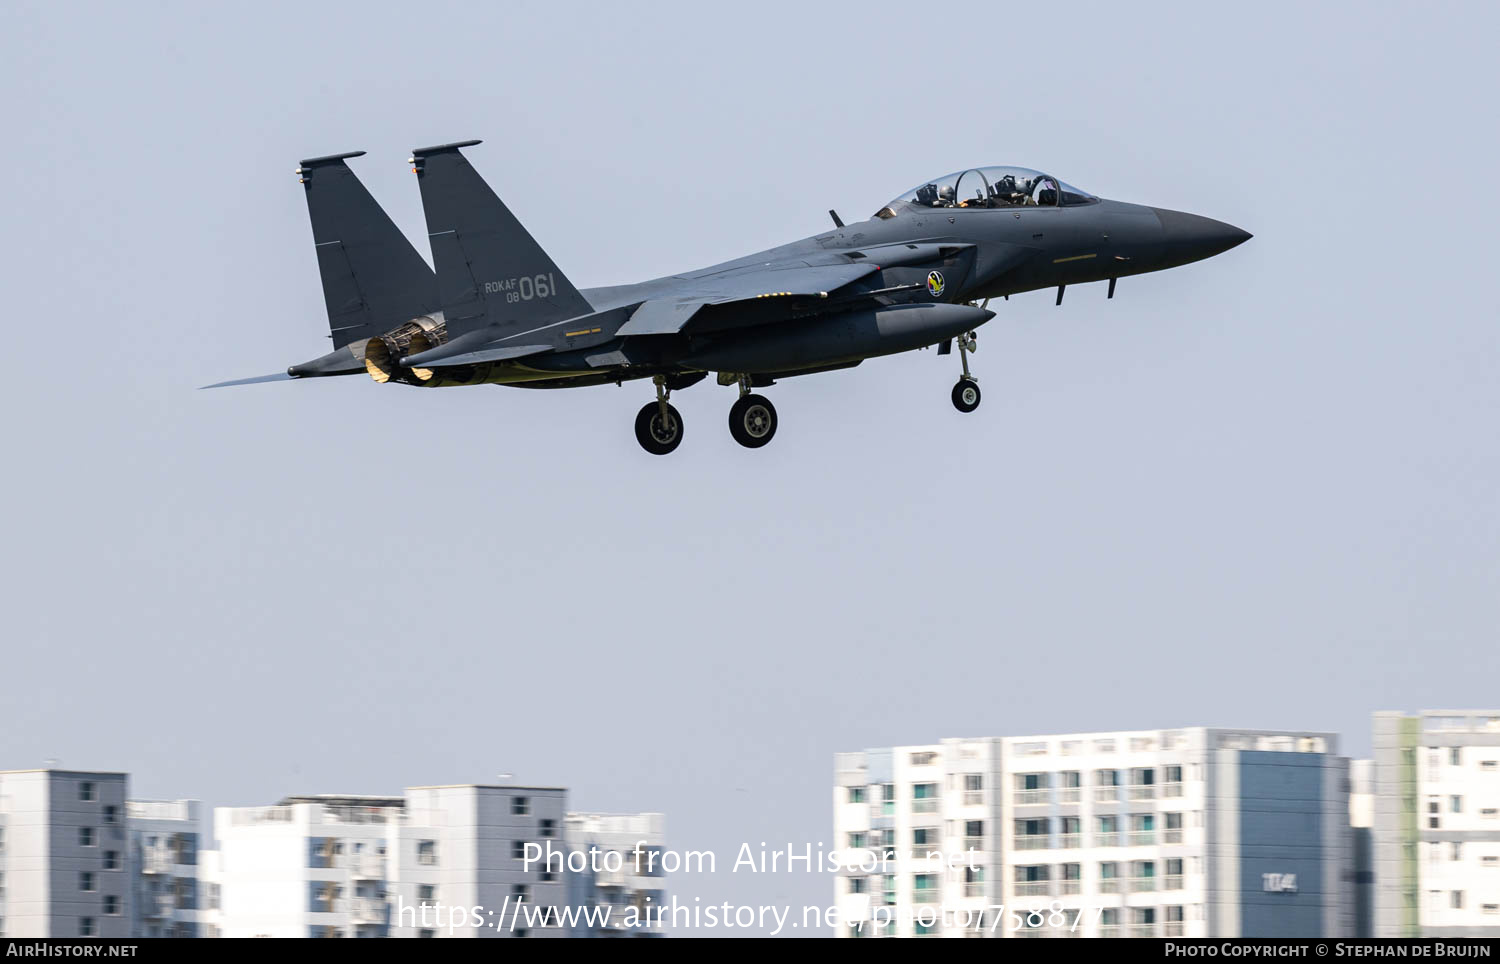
(935, 283)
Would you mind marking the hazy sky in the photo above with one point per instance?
(1255, 491)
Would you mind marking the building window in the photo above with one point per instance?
(85, 836)
(427, 852)
(426, 892)
(426, 933)
(924, 797)
(1455, 757)
(1456, 803)
(86, 792)
(520, 806)
(856, 840)
(887, 798)
(547, 828)
(859, 885)
(111, 905)
(856, 794)
(86, 881)
(521, 892)
(111, 860)
(1456, 900)
(86, 927)
(925, 837)
(518, 849)
(109, 813)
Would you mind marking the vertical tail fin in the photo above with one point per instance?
(491, 272)
(373, 279)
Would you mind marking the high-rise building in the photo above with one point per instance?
(461, 861)
(1188, 832)
(1436, 792)
(64, 854)
(164, 867)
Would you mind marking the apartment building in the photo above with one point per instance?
(1436, 833)
(629, 875)
(1192, 832)
(163, 838)
(64, 854)
(441, 861)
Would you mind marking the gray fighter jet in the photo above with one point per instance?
(919, 273)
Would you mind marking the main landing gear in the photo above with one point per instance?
(752, 418)
(658, 426)
(966, 392)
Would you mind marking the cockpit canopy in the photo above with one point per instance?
(991, 188)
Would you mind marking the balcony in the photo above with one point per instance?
(367, 867)
(1109, 930)
(156, 860)
(1140, 838)
(1144, 791)
(1033, 841)
(1069, 795)
(975, 844)
(1106, 794)
(368, 910)
(973, 798)
(1171, 882)
(1026, 798)
(974, 888)
(1033, 888)
(925, 805)
(1174, 929)
(1142, 884)
(931, 895)
(1171, 836)
(1142, 930)
(158, 905)
(1171, 789)
(1070, 841)
(1067, 887)
(1109, 885)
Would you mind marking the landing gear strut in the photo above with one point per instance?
(658, 426)
(966, 392)
(752, 418)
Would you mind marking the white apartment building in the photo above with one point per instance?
(637, 840)
(164, 867)
(439, 862)
(1437, 823)
(1191, 832)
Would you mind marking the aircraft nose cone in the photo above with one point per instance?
(1189, 237)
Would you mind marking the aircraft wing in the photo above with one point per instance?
(666, 316)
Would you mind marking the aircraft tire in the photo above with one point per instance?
(966, 395)
(752, 421)
(650, 433)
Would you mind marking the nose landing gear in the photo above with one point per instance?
(966, 392)
(658, 426)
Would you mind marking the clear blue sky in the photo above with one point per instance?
(1256, 491)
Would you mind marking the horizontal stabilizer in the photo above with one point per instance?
(278, 377)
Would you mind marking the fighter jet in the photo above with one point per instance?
(920, 273)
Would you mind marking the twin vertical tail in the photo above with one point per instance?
(492, 276)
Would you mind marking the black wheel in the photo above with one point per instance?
(966, 395)
(752, 421)
(654, 436)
